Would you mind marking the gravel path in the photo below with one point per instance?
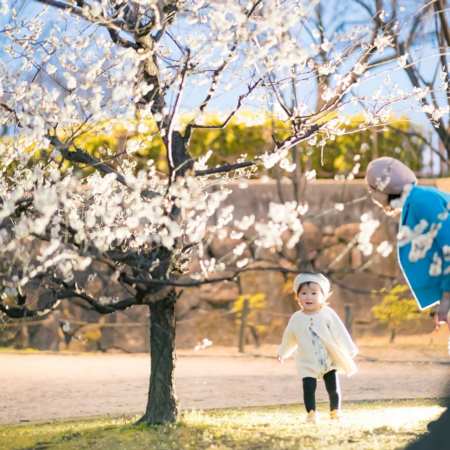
(40, 387)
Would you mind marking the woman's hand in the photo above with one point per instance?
(444, 306)
(440, 314)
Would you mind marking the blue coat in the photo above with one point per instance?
(430, 204)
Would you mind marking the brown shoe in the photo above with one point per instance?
(335, 414)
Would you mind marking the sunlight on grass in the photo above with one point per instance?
(368, 425)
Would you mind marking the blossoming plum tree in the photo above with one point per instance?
(72, 67)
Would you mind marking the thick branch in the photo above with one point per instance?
(190, 282)
(98, 307)
(81, 157)
(116, 25)
(440, 9)
(10, 110)
(22, 312)
(21, 205)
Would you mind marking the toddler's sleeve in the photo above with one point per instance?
(288, 343)
(341, 335)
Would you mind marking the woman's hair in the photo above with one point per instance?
(392, 197)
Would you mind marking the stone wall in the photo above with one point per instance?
(207, 312)
(327, 233)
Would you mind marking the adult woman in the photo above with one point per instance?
(423, 242)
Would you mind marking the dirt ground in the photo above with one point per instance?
(46, 386)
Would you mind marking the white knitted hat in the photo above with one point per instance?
(318, 278)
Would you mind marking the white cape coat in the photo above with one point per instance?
(333, 335)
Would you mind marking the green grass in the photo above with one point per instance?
(365, 426)
(17, 350)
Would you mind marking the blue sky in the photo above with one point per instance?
(226, 101)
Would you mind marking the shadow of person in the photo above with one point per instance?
(438, 435)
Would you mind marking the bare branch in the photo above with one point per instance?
(439, 7)
(225, 168)
(117, 39)
(218, 71)
(241, 98)
(364, 6)
(420, 137)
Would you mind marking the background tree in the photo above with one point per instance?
(246, 308)
(421, 50)
(396, 308)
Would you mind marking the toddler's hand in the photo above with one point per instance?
(280, 359)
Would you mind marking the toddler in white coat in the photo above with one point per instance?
(322, 344)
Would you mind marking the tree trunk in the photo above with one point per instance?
(243, 327)
(393, 334)
(348, 319)
(162, 402)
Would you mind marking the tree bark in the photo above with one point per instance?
(393, 335)
(162, 404)
(243, 327)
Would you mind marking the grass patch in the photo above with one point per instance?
(19, 350)
(365, 426)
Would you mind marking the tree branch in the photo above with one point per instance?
(10, 110)
(224, 168)
(116, 25)
(81, 157)
(98, 307)
(230, 116)
(22, 312)
(440, 9)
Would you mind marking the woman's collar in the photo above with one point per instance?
(403, 202)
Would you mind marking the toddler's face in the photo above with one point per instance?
(310, 297)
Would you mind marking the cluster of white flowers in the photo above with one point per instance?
(281, 218)
(245, 223)
(98, 214)
(311, 174)
(385, 249)
(69, 79)
(367, 227)
(75, 83)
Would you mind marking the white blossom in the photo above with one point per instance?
(287, 166)
(367, 226)
(385, 249)
(245, 223)
(242, 263)
(239, 249)
(203, 344)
